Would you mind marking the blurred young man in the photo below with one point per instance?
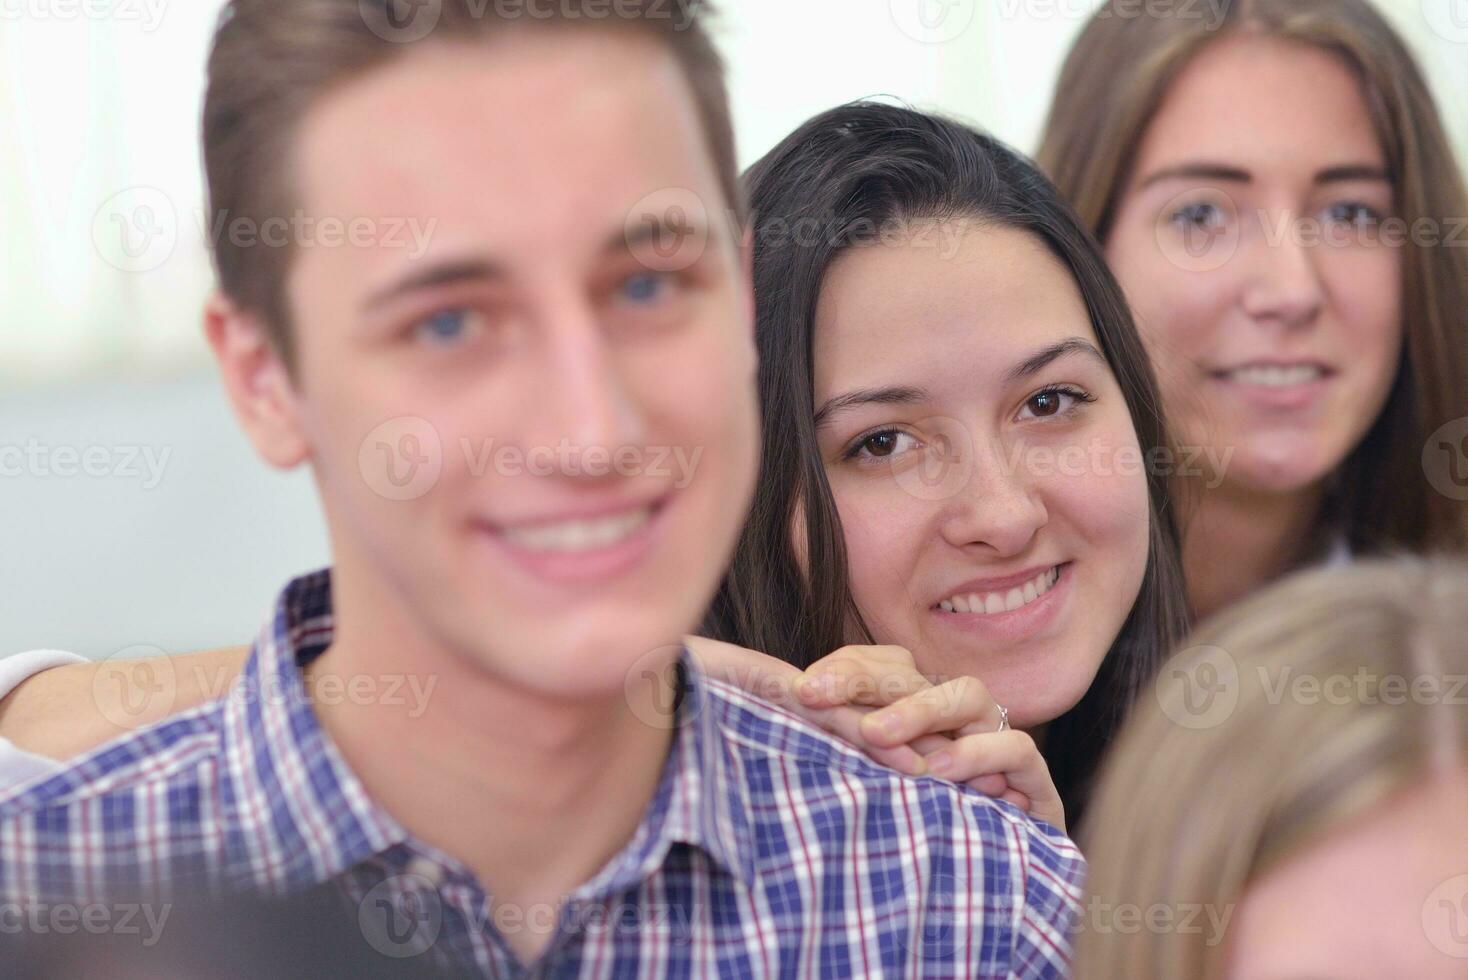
(534, 443)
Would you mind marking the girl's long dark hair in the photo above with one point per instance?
(858, 167)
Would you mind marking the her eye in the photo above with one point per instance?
(1354, 213)
(882, 445)
(1199, 215)
(1053, 401)
(445, 328)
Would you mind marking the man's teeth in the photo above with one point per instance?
(1271, 376)
(582, 535)
(990, 603)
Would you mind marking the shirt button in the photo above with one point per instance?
(426, 869)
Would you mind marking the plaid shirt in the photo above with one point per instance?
(769, 848)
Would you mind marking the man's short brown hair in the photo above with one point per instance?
(272, 60)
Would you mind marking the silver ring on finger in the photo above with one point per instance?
(1003, 719)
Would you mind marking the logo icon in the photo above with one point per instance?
(402, 458)
(933, 21)
(400, 21)
(1445, 459)
(1191, 247)
(401, 916)
(945, 466)
(668, 229)
(135, 686)
(1448, 19)
(652, 692)
(1199, 688)
(1445, 917)
(136, 230)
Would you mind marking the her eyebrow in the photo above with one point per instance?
(1039, 360)
(891, 395)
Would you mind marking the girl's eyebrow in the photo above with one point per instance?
(911, 395)
(891, 395)
(1037, 361)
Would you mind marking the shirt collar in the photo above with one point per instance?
(305, 817)
(699, 801)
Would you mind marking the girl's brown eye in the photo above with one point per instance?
(881, 443)
(1045, 403)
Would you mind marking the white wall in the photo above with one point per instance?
(101, 349)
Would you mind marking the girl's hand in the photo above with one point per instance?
(875, 698)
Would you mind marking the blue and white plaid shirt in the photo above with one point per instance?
(770, 849)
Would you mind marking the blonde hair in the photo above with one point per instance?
(1113, 82)
(1330, 692)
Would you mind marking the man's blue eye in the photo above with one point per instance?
(445, 325)
(643, 288)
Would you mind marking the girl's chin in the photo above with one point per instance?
(1279, 466)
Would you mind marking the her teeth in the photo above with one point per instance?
(993, 602)
(1273, 376)
(581, 535)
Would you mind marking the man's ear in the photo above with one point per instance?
(257, 381)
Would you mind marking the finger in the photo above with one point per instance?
(1012, 755)
(1017, 798)
(926, 745)
(993, 784)
(949, 707)
(871, 675)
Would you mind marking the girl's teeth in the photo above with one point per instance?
(587, 535)
(990, 603)
(1277, 377)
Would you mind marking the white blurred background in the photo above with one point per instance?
(150, 524)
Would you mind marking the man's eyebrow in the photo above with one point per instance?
(447, 272)
(664, 233)
(1037, 361)
(891, 395)
(1199, 170)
